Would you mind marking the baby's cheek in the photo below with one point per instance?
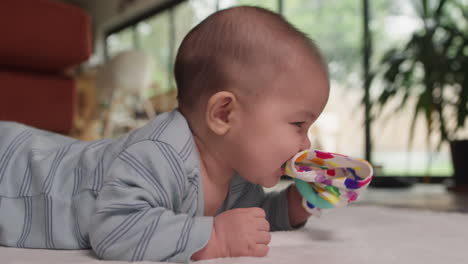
(296, 143)
(286, 150)
(278, 146)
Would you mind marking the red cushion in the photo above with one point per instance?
(39, 100)
(43, 35)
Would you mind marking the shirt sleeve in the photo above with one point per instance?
(137, 216)
(275, 204)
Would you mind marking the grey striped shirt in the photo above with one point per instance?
(138, 197)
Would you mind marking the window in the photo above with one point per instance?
(268, 4)
(155, 40)
(337, 28)
(120, 41)
(392, 27)
(340, 127)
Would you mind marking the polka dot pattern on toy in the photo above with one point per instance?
(328, 180)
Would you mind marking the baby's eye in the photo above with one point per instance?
(298, 124)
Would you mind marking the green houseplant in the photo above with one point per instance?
(432, 68)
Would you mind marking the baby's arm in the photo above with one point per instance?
(136, 213)
(297, 214)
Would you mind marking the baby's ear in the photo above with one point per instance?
(219, 112)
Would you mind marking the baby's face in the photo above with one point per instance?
(274, 128)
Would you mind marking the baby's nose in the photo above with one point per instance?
(305, 144)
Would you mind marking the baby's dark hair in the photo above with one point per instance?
(233, 45)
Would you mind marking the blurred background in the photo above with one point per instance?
(397, 67)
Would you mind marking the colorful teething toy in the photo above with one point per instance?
(327, 180)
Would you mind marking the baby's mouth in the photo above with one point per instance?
(283, 169)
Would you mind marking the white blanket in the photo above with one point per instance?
(356, 234)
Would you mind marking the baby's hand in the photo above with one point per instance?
(238, 232)
(243, 232)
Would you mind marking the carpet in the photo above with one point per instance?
(356, 234)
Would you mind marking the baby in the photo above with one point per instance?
(187, 185)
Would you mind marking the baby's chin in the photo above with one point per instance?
(269, 185)
(271, 182)
(266, 180)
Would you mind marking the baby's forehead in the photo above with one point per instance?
(291, 77)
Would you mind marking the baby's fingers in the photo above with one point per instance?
(259, 250)
(263, 225)
(263, 238)
(258, 212)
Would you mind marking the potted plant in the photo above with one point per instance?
(432, 68)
